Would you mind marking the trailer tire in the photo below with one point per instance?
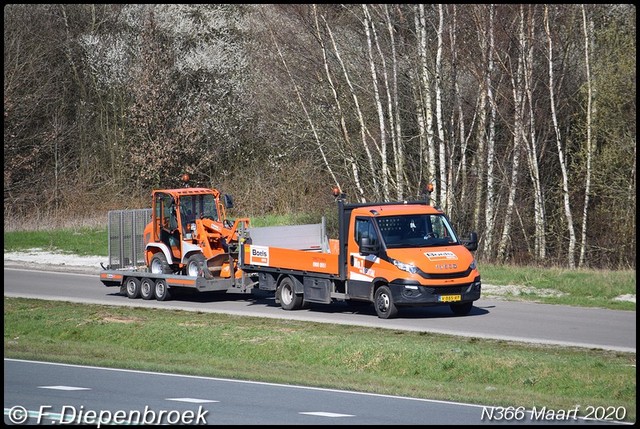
(383, 302)
(147, 288)
(159, 264)
(132, 287)
(461, 309)
(287, 296)
(162, 291)
(197, 264)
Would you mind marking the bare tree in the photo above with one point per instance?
(565, 180)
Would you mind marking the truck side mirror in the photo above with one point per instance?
(472, 243)
(366, 248)
(227, 201)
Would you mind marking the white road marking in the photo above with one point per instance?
(192, 400)
(325, 414)
(64, 388)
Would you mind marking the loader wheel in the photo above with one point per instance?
(461, 309)
(385, 307)
(159, 264)
(147, 289)
(197, 266)
(287, 296)
(162, 290)
(132, 288)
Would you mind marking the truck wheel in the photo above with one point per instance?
(461, 309)
(147, 288)
(287, 296)
(197, 266)
(159, 264)
(385, 307)
(162, 290)
(132, 288)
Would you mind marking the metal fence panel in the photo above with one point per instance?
(126, 245)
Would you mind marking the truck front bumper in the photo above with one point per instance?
(411, 294)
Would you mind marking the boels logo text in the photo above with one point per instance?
(258, 255)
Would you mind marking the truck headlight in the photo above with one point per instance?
(410, 268)
(473, 265)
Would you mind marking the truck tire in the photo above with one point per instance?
(383, 302)
(196, 266)
(147, 288)
(132, 287)
(461, 309)
(159, 264)
(162, 291)
(287, 296)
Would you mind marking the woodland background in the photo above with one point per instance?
(522, 116)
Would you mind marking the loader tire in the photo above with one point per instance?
(196, 266)
(287, 296)
(159, 264)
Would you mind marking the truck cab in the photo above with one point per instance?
(406, 254)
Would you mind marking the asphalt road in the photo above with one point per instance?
(50, 393)
(511, 321)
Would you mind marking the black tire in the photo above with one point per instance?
(287, 296)
(383, 302)
(196, 266)
(162, 291)
(147, 289)
(159, 264)
(132, 287)
(461, 309)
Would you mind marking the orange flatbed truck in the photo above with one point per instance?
(391, 254)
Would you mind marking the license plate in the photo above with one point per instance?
(449, 298)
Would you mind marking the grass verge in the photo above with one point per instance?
(423, 365)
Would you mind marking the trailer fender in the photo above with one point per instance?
(155, 247)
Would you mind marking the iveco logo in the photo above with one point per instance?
(446, 266)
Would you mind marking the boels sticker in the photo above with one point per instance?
(441, 256)
(258, 255)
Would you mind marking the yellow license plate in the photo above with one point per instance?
(449, 298)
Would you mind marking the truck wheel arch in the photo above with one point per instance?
(153, 248)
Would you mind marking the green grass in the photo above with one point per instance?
(580, 287)
(424, 365)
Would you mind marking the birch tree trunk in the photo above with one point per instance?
(426, 94)
(540, 243)
(442, 158)
(489, 216)
(518, 90)
(398, 143)
(565, 180)
(587, 188)
(379, 108)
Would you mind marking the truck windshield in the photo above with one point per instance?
(420, 230)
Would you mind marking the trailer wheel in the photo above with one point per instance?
(147, 288)
(461, 309)
(159, 264)
(162, 290)
(287, 296)
(132, 288)
(385, 307)
(197, 266)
